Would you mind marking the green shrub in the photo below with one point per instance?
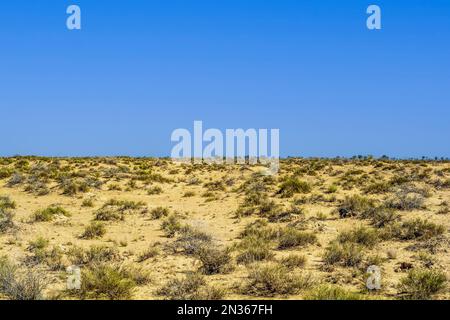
(6, 203)
(6, 220)
(115, 210)
(19, 286)
(422, 284)
(191, 240)
(89, 203)
(188, 288)
(420, 229)
(94, 230)
(378, 187)
(293, 261)
(148, 254)
(291, 237)
(159, 212)
(5, 173)
(259, 229)
(48, 214)
(214, 260)
(254, 249)
(155, 190)
(332, 292)
(270, 280)
(362, 235)
(106, 281)
(292, 186)
(347, 254)
(355, 205)
(381, 217)
(171, 225)
(93, 255)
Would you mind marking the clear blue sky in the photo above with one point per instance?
(139, 69)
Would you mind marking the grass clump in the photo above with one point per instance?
(106, 281)
(48, 214)
(274, 279)
(422, 284)
(159, 212)
(115, 210)
(355, 205)
(94, 230)
(332, 292)
(214, 261)
(420, 229)
(148, 254)
(291, 237)
(87, 203)
(292, 186)
(192, 287)
(293, 261)
(15, 285)
(347, 254)
(362, 235)
(6, 220)
(155, 190)
(406, 199)
(192, 240)
(93, 255)
(6, 203)
(171, 225)
(254, 249)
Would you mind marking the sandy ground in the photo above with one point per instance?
(216, 217)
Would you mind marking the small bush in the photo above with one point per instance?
(6, 220)
(71, 187)
(115, 210)
(292, 186)
(420, 229)
(183, 289)
(406, 200)
(6, 203)
(159, 212)
(94, 230)
(5, 173)
(293, 261)
(155, 190)
(332, 292)
(214, 260)
(291, 237)
(254, 249)
(89, 203)
(171, 225)
(259, 229)
(355, 205)
(106, 281)
(148, 254)
(17, 286)
(188, 194)
(378, 187)
(191, 240)
(362, 235)
(270, 280)
(48, 214)
(347, 254)
(422, 284)
(382, 217)
(93, 255)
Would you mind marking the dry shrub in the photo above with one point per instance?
(273, 279)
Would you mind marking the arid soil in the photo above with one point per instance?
(141, 228)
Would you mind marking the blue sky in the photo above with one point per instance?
(140, 69)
